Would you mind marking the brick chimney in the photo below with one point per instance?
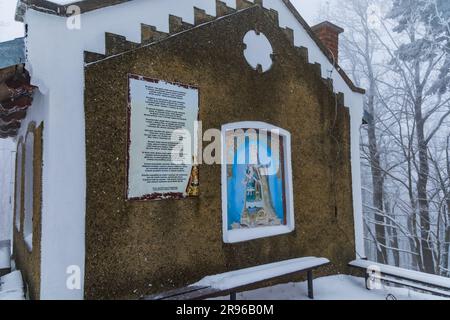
(328, 33)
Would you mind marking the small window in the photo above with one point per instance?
(257, 198)
(18, 191)
(29, 191)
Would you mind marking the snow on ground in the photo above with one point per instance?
(338, 287)
(11, 287)
(5, 256)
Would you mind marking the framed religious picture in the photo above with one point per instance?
(257, 196)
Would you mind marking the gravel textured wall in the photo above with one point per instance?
(30, 262)
(138, 248)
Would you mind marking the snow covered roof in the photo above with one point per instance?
(12, 53)
(16, 92)
(60, 8)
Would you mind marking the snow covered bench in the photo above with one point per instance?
(5, 257)
(232, 282)
(407, 278)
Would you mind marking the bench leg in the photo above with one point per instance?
(310, 285)
(367, 278)
(233, 296)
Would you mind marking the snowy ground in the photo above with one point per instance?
(339, 287)
(5, 254)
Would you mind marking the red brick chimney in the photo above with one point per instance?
(328, 33)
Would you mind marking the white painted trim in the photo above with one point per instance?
(431, 279)
(18, 185)
(235, 236)
(356, 114)
(28, 193)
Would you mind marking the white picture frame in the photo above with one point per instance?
(241, 235)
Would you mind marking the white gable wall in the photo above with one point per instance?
(55, 60)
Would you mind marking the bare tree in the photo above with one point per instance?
(416, 60)
(358, 50)
(403, 61)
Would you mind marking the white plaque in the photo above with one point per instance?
(159, 114)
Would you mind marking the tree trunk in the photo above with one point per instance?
(414, 242)
(445, 254)
(392, 238)
(395, 244)
(377, 183)
(422, 195)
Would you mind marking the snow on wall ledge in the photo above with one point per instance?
(52, 46)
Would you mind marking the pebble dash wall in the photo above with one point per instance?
(138, 248)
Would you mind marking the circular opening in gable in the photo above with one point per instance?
(258, 52)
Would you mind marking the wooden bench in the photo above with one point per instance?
(406, 278)
(237, 281)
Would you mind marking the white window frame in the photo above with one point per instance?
(28, 201)
(236, 236)
(18, 186)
